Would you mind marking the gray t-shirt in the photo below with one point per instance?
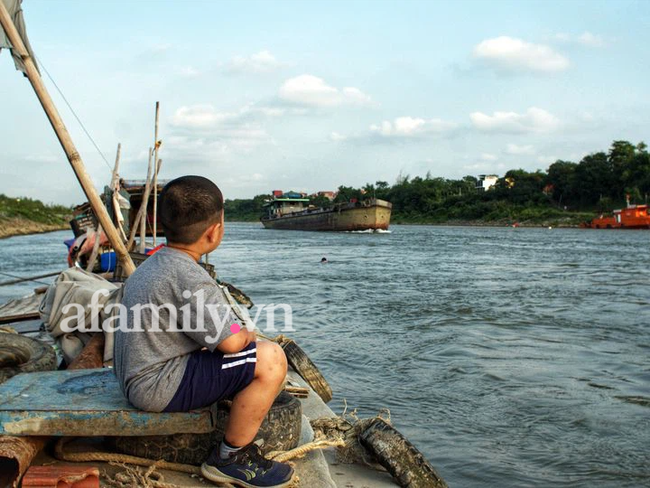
(150, 358)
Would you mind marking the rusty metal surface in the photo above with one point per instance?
(16, 454)
(85, 403)
(92, 355)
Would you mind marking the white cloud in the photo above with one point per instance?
(586, 39)
(201, 126)
(533, 120)
(488, 157)
(197, 116)
(411, 127)
(519, 150)
(510, 54)
(590, 40)
(315, 92)
(336, 137)
(261, 62)
(356, 96)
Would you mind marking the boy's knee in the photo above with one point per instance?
(271, 361)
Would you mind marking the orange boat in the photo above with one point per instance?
(631, 217)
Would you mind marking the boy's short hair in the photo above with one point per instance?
(187, 207)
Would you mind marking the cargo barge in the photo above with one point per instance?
(287, 213)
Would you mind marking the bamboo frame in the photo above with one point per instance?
(66, 141)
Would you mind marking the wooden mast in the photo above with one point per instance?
(140, 221)
(155, 178)
(66, 141)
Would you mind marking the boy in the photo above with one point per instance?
(180, 355)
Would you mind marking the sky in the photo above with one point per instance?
(308, 96)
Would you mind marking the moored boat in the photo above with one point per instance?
(288, 213)
(631, 217)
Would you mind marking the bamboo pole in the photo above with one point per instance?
(98, 234)
(155, 178)
(115, 187)
(141, 216)
(116, 167)
(66, 141)
(145, 202)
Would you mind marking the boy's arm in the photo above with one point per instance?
(237, 342)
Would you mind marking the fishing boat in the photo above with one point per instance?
(132, 212)
(630, 217)
(42, 403)
(286, 212)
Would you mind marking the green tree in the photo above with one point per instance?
(562, 175)
(346, 193)
(320, 201)
(595, 179)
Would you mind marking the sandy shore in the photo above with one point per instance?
(10, 227)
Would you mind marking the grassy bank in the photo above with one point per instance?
(502, 215)
(22, 216)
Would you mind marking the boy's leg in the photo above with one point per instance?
(250, 406)
(238, 461)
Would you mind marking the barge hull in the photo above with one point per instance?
(359, 218)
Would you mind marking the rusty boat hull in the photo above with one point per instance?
(359, 216)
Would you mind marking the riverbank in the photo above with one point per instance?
(20, 227)
(509, 216)
(24, 216)
(568, 223)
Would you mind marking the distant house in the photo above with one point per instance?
(485, 182)
(330, 195)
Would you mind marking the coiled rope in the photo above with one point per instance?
(338, 432)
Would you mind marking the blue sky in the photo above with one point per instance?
(311, 95)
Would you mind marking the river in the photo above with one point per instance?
(509, 357)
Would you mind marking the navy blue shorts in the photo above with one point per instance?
(213, 376)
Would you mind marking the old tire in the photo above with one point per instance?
(19, 354)
(401, 459)
(280, 432)
(307, 370)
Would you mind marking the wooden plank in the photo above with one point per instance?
(85, 403)
(20, 309)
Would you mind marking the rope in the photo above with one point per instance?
(82, 457)
(299, 452)
(74, 113)
(133, 476)
(338, 432)
(20, 279)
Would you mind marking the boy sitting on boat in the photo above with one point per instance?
(173, 366)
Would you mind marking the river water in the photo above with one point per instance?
(509, 357)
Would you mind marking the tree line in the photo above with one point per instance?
(597, 183)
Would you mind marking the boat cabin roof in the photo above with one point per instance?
(286, 200)
(137, 186)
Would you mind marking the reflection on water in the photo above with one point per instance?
(510, 357)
